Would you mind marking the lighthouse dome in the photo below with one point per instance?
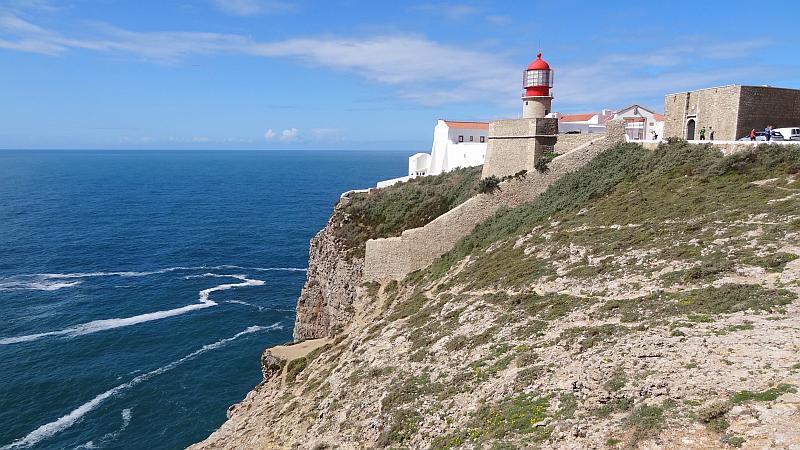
(538, 63)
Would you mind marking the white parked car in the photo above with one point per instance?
(789, 134)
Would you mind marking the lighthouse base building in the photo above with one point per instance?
(516, 144)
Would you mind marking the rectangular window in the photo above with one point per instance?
(472, 138)
(483, 138)
(461, 139)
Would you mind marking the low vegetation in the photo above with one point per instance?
(628, 194)
(389, 211)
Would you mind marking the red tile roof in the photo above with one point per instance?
(577, 117)
(467, 125)
(658, 117)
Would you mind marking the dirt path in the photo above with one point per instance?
(294, 351)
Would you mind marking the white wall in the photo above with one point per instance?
(447, 153)
(418, 164)
(564, 127)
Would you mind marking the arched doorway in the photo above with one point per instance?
(690, 125)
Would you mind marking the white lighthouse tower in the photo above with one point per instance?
(515, 145)
(537, 80)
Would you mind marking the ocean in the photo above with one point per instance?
(138, 288)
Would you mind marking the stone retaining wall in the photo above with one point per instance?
(567, 142)
(394, 258)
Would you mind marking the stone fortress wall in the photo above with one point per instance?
(395, 257)
(732, 111)
(760, 106)
(713, 107)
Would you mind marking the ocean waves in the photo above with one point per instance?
(204, 301)
(50, 429)
(56, 281)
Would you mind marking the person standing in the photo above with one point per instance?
(703, 134)
(768, 133)
(711, 134)
(753, 134)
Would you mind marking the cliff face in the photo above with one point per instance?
(326, 301)
(649, 300)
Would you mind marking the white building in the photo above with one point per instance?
(583, 123)
(640, 122)
(455, 144)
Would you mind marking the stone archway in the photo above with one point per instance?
(690, 126)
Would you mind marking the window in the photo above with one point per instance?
(461, 139)
(483, 139)
(537, 78)
(472, 138)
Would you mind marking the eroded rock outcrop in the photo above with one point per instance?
(334, 271)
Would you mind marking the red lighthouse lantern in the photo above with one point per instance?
(537, 80)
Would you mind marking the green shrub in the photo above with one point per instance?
(542, 164)
(489, 184)
(714, 416)
(647, 422)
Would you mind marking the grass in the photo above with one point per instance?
(647, 422)
(699, 305)
(568, 193)
(515, 417)
(407, 390)
(403, 426)
(547, 307)
(389, 211)
(617, 381)
(409, 307)
(297, 365)
(588, 337)
(628, 185)
(763, 396)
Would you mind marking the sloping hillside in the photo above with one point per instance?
(336, 253)
(646, 300)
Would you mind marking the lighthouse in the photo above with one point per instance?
(537, 80)
(515, 145)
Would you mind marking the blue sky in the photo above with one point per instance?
(277, 74)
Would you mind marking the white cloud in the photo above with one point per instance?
(498, 20)
(450, 11)
(289, 134)
(420, 70)
(253, 7)
(200, 139)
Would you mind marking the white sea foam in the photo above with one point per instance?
(49, 281)
(239, 302)
(161, 271)
(110, 324)
(48, 430)
(261, 269)
(18, 284)
(112, 436)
